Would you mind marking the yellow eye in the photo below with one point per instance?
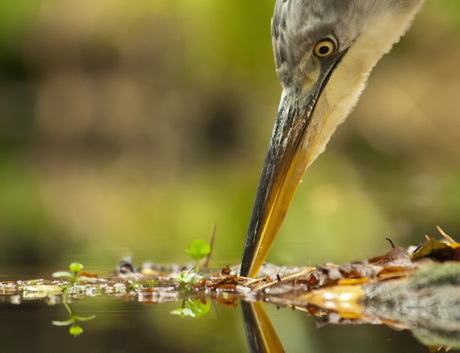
(324, 48)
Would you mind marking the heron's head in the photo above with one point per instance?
(324, 51)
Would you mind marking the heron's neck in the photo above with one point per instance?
(349, 79)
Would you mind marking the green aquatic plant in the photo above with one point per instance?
(73, 276)
(187, 279)
(75, 329)
(198, 249)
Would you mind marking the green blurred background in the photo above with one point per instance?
(134, 127)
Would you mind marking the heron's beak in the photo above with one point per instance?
(293, 146)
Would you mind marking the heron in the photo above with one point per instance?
(324, 51)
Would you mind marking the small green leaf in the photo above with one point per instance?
(193, 308)
(62, 274)
(76, 267)
(198, 249)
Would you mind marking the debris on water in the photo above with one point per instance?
(357, 293)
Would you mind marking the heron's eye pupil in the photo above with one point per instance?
(324, 50)
(324, 47)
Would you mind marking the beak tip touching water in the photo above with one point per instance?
(293, 146)
(283, 168)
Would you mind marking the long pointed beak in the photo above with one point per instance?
(293, 146)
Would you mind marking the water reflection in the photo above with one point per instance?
(73, 320)
(401, 290)
(260, 332)
(427, 305)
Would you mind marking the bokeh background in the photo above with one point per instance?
(134, 127)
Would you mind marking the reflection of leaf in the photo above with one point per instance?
(75, 330)
(84, 318)
(182, 312)
(193, 308)
(63, 323)
(230, 301)
(200, 309)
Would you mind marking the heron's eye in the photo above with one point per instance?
(324, 48)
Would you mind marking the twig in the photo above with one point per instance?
(205, 261)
